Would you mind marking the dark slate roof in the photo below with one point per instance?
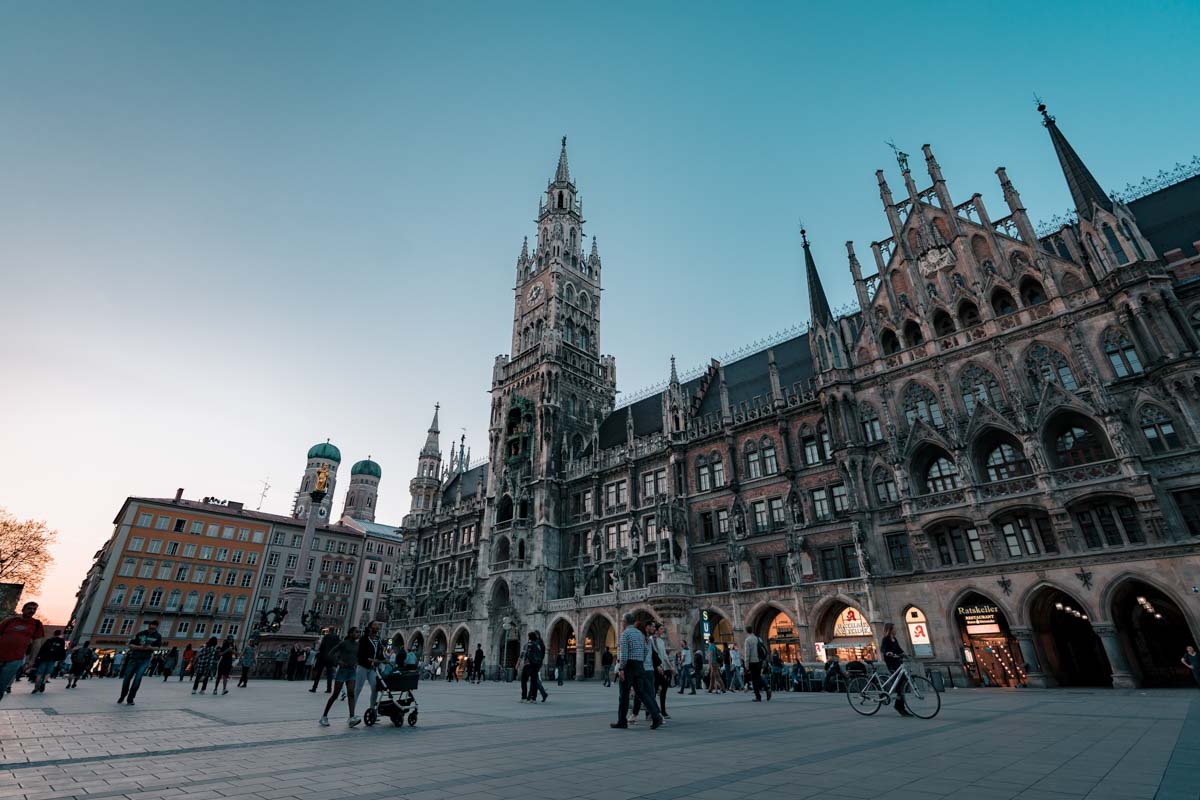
(1170, 217)
(1085, 189)
(746, 378)
(470, 482)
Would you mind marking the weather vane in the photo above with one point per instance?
(901, 156)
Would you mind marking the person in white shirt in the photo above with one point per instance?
(735, 669)
(756, 658)
(686, 676)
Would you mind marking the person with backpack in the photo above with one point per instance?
(82, 658)
(715, 682)
(536, 652)
(756, 656)
(49, 657)
(606, 666)
(329, 641)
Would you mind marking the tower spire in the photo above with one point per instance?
(1085, 189)
(817, 302)
(431, 441)
(562, 174)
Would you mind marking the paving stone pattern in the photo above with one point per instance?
(479, 742)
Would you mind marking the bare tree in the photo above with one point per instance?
(24, 550)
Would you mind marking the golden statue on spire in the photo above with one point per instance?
(322, 478)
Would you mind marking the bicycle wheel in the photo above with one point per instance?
(864, 701)
(921, 699)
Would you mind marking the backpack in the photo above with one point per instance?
(761, 649)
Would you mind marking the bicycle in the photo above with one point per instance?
(867, 695)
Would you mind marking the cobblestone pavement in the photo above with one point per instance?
(479, 742)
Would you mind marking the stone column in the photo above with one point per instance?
(1034, 676)
(1122, 676)
(1140, 330)
(298, 591)
(580, 656)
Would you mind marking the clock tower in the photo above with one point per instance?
(550, 395)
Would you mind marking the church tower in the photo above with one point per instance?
(363, 494)
(550, 395)
(320, 455)
(424, 487)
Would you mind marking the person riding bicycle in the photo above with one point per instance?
(893, 656)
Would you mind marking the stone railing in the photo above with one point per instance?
(1025, 483)
(1096, 471)
(928, 502)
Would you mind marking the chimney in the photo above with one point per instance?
(178, 494)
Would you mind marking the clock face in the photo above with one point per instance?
(535, 293)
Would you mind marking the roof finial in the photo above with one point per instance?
(1046, 118)
(563, 173)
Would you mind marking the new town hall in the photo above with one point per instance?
(998, 452)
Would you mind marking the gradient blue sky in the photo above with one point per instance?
(230, 230)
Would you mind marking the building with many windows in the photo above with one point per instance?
(999, 450)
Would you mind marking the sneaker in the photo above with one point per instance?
(354, 721)
(129, 702)
(225, 692)
(323, 722)
(193, 691)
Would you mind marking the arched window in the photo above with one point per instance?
(770, 462)
(1128, 231)
(571, 405)
(585, 340)
(1071, 283)
(1158, 429)
(912, 334)
(968, 313)
(119, 594)
(223, 606)
(1019, 262)
(173, 599)
(1114, 244)
(1121, 353)
(1032, 293)
(193, 599)
(703, 475)
(1002, 303)
(941, 476)
(1006, 461)
(585, 300)
(872, 431)
(521, 550)
(942, 323)
(753, 461)
(577, 445)
(569, 292)
(504, 509)
(155, 597)
(977, 385)
(209, 600)
(889, 342)
(1076, 444)
(1061, 246)
(885, 486)
(1044, 365)
(980, 249)
(569, 332)
(718, 470)
(597, 549)
(137, 595)
(919, 401)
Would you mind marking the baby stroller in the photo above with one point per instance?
(394, 706)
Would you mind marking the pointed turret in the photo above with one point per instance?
(432, 448)
(524, 257)
(817, 302)
(594, 257)
(563, 173)
(674, 373)
(1085, 189)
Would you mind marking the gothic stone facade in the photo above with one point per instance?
(1000, 449)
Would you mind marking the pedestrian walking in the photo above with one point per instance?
(538, 654)
(203, 665)
(606, 666)
(105, 669)
(687, 674)
(185, 661)
(20, 634)
(735, 669)
(169, 663)
(479, 663)
(281, 660)
(329, 641)
(631, 655)
(137, 660)
(1191, 660)
(715, 683)
(82, 658)
(452, 668)
(310, 662)
(756, 657)
(118, 664)
(662, 664)
(225, 656)
(345, 659)
(49, 657)
(560, 666)
(369, 655)
(249, 653)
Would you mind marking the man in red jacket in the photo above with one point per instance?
(19, 635)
